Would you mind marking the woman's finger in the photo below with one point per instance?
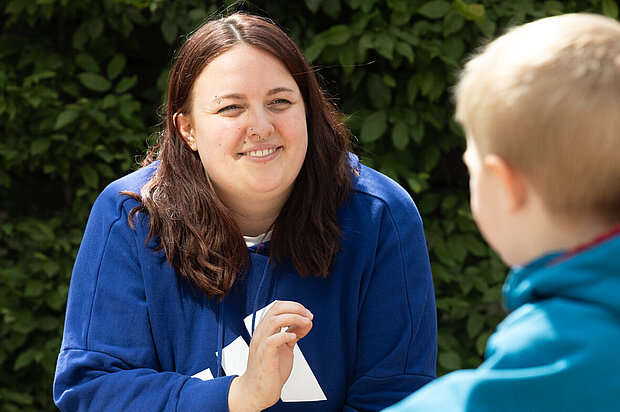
(283, 314)
(288, 306)
(300, 330)
(276, 323)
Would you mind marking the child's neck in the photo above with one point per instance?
(558, 234)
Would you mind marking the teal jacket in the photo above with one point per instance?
(559, 349)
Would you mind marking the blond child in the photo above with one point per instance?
(540, 107)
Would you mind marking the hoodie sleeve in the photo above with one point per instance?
(108, 361)
(397, 326)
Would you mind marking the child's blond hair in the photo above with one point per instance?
(546, 97)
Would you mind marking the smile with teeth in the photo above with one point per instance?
(260, 153)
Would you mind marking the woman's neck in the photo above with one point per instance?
(255, 216)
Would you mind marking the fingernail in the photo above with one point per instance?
(309, 314)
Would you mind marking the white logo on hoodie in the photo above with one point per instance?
(301, 386)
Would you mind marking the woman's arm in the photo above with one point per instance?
(397, 327)
(108, 359)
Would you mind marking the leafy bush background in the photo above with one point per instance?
(82, 81)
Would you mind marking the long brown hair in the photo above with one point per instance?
(196, 230)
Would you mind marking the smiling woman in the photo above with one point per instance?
(249, 128)
(252, 262)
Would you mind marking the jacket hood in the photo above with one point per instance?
(591, 275)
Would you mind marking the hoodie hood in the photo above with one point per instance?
(590, 274)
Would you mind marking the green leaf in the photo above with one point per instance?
(474, 324)
(404, 49)
(34, 288)
(56, 299)
(610, 8)
(414, 184)
(365, 42)
(389, 80)
(457, 247)
(95, 28)
(45, 231)
(109, 101)
(476, 11)
(452, 50)
(481, 342)
(412, 89)
(315, 49)
(197, 15)
(94, 82)
(425, 80)
(51, 267)
(449, 360)
(397, 5)
(431, 158)
(87, 62)
(27, 357)
(336, 35)
(492, 295)
(39, 145)
(313, 5)
(126, 83)
(384, 44)
(476, 247)
(487, 27)
(417, 133)
(400, 135)
(80, 36)
(374, 126)
(346, 58)
(90, 176)
(367, 5)
(105, 155)
(360, 21)
(65, 118)
(105, 170)
(169, 30)
(116, 66)
(380, 95)
(434, 9)
(453, 23)
(331, 8)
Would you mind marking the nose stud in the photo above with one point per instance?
(258, 138)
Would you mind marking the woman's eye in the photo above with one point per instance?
(230, 108)
(281, 102)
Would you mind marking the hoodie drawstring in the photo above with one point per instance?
(220, 320)
(220, 337)
(260, 285)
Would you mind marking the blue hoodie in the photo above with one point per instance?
(139, 338)
(557, 350)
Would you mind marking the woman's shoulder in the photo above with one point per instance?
(376, 196)
(376, 186)
(133, 181)
(113, 197)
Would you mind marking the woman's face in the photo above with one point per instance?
(248, 125)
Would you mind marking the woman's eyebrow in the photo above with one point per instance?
(278, 90)
(242, 96)
(229, 96)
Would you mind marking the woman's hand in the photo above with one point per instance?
(270, 360)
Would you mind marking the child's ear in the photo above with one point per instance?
(512, 182)
(183, 125)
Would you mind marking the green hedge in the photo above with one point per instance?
(82, 82)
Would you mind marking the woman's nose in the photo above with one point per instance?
(259, 124)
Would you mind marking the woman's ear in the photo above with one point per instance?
(183, 125)
(512, 182)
